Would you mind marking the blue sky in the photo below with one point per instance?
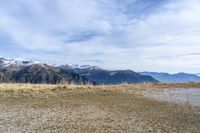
(142, 35)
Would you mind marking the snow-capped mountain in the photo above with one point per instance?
(28, 71)
(5, 62)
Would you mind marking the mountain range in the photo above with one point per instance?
(173, 78)
(28, 71)
(108, 77)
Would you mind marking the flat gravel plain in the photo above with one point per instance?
(88, 109)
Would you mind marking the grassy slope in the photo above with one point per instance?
(71, 108)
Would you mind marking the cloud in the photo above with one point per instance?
(133, 34)
(172, 32)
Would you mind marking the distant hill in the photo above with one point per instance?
(107, 77)
(198, 74)
(173, 78)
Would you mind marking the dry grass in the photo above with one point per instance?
(122, 87)
(72, 108)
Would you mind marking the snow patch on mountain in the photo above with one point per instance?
(89, 67)
(75, 66)
(5, 62)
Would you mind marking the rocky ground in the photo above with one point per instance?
(86, 109)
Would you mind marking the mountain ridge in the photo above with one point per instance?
(109, 77)
(180, 77)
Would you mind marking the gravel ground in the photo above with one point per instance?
(63, 110)
(80, 119)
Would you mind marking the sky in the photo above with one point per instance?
(141, 35)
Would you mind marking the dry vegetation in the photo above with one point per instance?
(72, 108)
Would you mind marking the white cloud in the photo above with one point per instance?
(133, 34)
